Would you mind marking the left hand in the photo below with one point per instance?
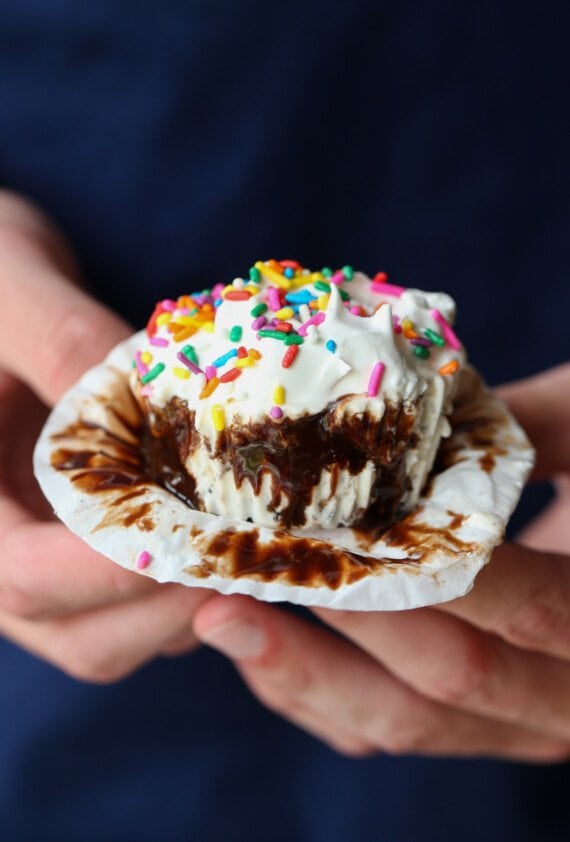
(485, 675)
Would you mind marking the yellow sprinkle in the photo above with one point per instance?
(229, 288)
(218, 417)
(163, 319)
(285, 313)
(185, 320)
(253, 352)
(322, 301)
(300, 280)
(209, 387)
(146, 357)
(208, 326)
(182, 373)
(279, 395)
(244, 362)
(274, 277)
(252, 289)
(407, 324)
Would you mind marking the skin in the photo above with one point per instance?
(487, 675)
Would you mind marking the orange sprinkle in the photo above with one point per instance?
(277, 267)
(411, 334)
(183, 334)
(449, 368)
(253, 352)
(210, 386)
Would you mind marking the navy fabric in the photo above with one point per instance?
(177, 142)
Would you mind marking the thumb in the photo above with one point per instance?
(542, 406)
(52, 330)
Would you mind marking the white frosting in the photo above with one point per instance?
(317, 376)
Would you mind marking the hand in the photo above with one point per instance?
(486, 675)
(58, 598)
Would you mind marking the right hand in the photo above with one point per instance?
(59, 599)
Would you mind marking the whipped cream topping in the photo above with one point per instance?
(287, 342)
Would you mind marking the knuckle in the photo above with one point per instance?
(465, 678)
(540, 621)
(17, 595)
(405, 738)
(93, 666)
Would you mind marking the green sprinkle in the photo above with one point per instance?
(194, 311)
(326, 271)
(323, 286)
(154, 372)
(422, 352)
(254, 274)
(293, 339)
(434, 337)
(134, 364)
(190, 352)
(235, 333)
(348, 272)
(273, 334)
(343, 294)
(258, 310)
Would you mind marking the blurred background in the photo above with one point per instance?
(176, 143)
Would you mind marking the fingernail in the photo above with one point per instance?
(238, 639)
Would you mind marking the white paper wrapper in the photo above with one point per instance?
(101, 492)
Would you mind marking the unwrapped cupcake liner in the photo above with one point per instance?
(90, 463)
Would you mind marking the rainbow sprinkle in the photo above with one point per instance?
(143, 560)
(375, 379)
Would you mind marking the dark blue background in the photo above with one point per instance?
(177, 142)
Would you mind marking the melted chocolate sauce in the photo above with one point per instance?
(293, 453)
(123, 464)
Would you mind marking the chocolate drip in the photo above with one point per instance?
(294, 453)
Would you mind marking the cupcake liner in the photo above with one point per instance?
(89, 462)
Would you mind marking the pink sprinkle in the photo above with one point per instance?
(387, 289)
(397, 325)
(375, 379)
(143, 560)
(210, 372)
(276, 412)
(168, 304)
(355, 310)
(337, 278)
(273, 299)
(141, 367)
(188, 363)
(317, 319)
(217, 291)
(146, 391)
(160, 343)
(258, 323)
(448, 333)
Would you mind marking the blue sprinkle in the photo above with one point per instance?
(300, 297)
(224, 358)
(217, 302)
(289, 272)
(331, 346)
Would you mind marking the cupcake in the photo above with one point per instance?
(298, 399)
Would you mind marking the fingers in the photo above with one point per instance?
(46, 571)
(341, 694)
(542, 406)
(105, 645)
(52, 331)
(524, 597)
(453, 663)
